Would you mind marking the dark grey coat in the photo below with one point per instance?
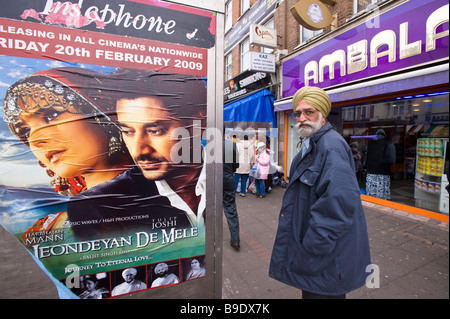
(322, 244)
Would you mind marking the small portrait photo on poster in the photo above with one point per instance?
(164, 273)
(128, 280)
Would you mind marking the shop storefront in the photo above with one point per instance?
(248, 108)
(393, 76)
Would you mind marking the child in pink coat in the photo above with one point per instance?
(263, 159)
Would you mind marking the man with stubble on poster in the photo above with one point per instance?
(153, 110)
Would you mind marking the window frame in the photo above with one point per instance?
(228, 66)
(245, 55)
(245, 5)
(313, 34)
(228, 15)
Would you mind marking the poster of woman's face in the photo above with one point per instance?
(192, 268)
(20, 161)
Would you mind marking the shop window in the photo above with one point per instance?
(407, 121)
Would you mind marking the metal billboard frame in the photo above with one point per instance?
(21, 268)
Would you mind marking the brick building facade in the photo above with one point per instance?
(290, 38)
(287, 27)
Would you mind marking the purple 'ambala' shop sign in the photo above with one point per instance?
(412, 34)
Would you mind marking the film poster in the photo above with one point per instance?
(102, 177)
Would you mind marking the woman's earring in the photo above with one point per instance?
(115, 146)
(64, 186)
(60, 184)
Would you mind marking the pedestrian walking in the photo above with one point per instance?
(230, 164)
(321, 246)
(263, 161)
(246, 151)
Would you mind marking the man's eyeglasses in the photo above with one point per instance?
(307, 113)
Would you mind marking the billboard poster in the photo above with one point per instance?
(102, 176)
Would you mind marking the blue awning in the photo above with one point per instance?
(257, 107)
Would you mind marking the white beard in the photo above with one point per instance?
(308, 128)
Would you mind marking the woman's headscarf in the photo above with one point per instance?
(67, 89)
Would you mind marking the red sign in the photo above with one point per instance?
(25, 39)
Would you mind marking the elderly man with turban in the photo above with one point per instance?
(130, 285)
(322, 245)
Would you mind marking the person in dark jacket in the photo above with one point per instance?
(380, 156)
(322, 245)
(230, 164)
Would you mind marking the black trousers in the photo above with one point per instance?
(229, 208)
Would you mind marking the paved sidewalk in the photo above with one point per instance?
(412, 253)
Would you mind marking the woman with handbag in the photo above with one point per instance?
(263, 165)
